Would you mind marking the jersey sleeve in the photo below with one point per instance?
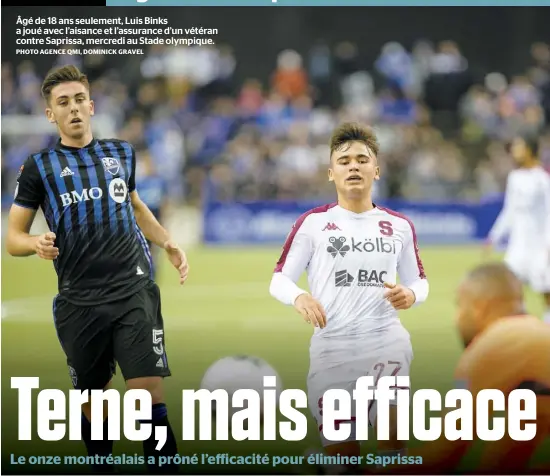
(294, 259)
(410, 268)
(132, 178)
(502, 225)
(29, 188)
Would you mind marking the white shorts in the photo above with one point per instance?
(535, 271)
(392, 359)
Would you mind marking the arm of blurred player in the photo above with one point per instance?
(29, 195)
(503, 223)
(153, 230)
(414, 287)
(147, 222)
(158, 235)
(546, 191)
(297, 252)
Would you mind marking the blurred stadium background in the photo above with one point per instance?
(237, 136)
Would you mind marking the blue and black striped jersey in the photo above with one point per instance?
(85, 196)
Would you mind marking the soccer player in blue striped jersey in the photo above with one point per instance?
(108, 307)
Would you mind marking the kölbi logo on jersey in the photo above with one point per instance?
(380, 245)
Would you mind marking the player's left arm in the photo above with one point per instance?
(413, 288)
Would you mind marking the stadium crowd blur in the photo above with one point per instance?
(443, 128)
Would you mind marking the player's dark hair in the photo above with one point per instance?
(350, 132)
(63, 74)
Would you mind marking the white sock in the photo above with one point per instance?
(546, 315)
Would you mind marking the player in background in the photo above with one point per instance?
(108, 309)
(353, 251)
(152, 191)
(505, 349)
(525, 220)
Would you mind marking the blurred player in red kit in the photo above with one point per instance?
(525, 220)
(505, 349)
(353, 251)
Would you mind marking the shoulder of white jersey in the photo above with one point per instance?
(311, 215)
(400, 219)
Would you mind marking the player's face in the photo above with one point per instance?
(70, 108)
(353, 169)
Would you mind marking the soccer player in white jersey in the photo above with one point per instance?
(525, 220)
(354, 252)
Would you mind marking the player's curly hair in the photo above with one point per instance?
(63, 74)
(351, 131)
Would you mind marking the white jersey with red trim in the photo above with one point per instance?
(348, 257)
(525, 221)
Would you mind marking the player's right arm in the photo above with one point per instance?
(29, 194)
(296, 255)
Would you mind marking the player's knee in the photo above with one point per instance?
(152, 384)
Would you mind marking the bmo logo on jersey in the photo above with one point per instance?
(94, 193)
(341, 246)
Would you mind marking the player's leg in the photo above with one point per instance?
(141, 353)
(85, 336)
(318, 384)
(396, 363)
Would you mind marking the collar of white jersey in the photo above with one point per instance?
(349, 213)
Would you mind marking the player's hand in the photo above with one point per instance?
(399, 296)
(45, 248)
(311, 310)
(178, 259)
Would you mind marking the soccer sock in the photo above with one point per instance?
(170, 448)
(97, 447)
(546, 315)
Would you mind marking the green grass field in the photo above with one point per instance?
(225, 308)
